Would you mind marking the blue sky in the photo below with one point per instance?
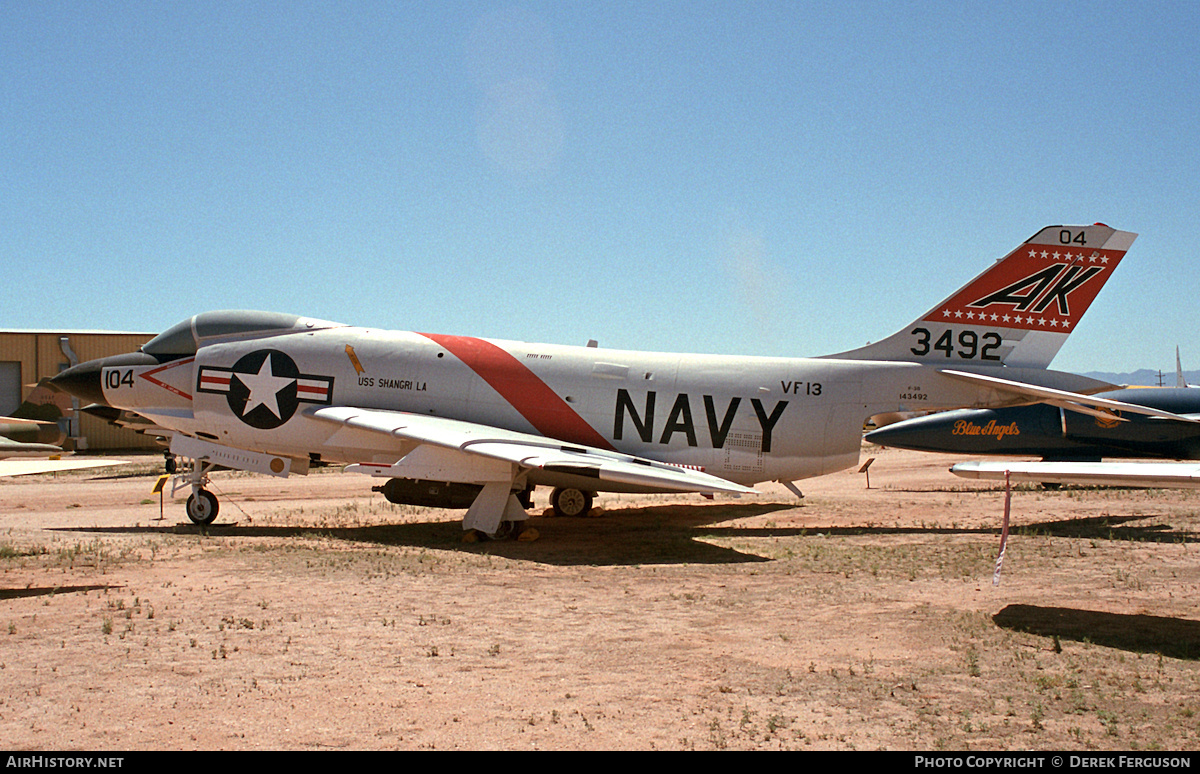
(792, 178)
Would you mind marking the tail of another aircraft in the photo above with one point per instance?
(1019, 311)
(44, 404)
(32, 428)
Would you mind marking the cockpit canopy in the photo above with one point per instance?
(183, 339)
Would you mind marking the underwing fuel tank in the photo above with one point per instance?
(430, 494)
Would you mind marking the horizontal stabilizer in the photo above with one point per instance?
(1102, 408)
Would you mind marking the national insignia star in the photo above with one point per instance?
(264, 387)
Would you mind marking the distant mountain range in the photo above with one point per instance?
(1145, 377)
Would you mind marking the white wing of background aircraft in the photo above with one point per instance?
(1167, 475)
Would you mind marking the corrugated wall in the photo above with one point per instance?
(40, 355)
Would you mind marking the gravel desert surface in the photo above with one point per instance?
(315, 615)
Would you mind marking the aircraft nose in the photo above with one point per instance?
(83, 381)
(908, 434)
(884, 436)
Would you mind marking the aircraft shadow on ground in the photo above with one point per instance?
(1172, 637)
(49, 591)
(1096, 528)
(655, 535)
(665, 534)
(1110, 528)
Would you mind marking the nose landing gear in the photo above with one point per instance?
(202, 505)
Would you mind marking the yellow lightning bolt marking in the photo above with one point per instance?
(358, 367)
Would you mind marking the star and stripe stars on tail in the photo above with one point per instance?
(1040, 287)
(1004, 319)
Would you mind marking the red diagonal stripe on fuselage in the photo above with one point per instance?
(528, 394)
(150, 377)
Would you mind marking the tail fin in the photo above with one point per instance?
(44, 404)
(1019, 311)
(32, 428)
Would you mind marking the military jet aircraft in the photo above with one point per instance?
(1127, 424)
(457, 421)
(1072, 434)
(22, 437)
(32, 430)
(32, 435)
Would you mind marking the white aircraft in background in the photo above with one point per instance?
(1155, 475)
(455, 421)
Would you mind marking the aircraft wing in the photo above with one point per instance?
(30, 467)
(463, 445)
(1169, 475)
(1072, 401)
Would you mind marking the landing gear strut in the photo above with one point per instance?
(202, 505)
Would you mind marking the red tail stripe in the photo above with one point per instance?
(1024, 263)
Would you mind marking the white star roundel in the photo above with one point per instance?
(264, 388)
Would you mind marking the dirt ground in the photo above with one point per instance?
(315, 615)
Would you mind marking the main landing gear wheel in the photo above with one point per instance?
(202, 507)
(568, 501)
